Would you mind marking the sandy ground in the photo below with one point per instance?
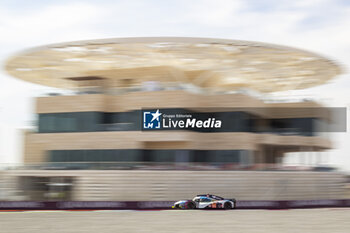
(307, 220)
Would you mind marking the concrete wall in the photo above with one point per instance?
(93, 185)
(8, 187)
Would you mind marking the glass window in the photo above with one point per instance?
(70, 122)
(217, 156)
(290, 126)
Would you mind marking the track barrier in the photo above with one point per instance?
(149, 205)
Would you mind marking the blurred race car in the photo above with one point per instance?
(206, 201)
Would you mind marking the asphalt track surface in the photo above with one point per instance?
(298, 220)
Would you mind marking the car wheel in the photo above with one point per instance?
(227, 206)
(190, 206)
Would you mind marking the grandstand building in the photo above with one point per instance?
(121, 108)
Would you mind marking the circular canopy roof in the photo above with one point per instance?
(211, 64)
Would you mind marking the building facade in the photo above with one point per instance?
(103, 128)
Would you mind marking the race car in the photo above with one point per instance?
(206, 201)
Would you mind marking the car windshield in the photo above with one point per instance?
(218, 198)
(210, 196)
(204, 199)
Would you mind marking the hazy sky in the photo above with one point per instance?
(321, 26)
